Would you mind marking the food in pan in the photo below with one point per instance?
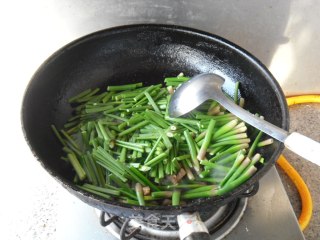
(123, 146)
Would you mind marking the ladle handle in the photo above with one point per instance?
(304, 146)
(297, 143)
(266, 127)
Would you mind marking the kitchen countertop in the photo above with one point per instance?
(305, 119)
(284, 35)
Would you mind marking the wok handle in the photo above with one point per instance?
(191, 227)
(304, 146)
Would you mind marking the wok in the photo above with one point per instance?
(146, 53)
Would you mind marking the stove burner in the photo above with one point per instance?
(219, 223)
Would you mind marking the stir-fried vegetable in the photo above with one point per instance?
(123, 145)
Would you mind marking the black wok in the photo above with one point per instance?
(146, 53)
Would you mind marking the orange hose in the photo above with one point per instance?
(303, 99)
(306, 199)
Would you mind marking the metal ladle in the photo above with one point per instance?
(208, 86)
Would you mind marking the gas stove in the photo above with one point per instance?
(266, 215)
(219, 223)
